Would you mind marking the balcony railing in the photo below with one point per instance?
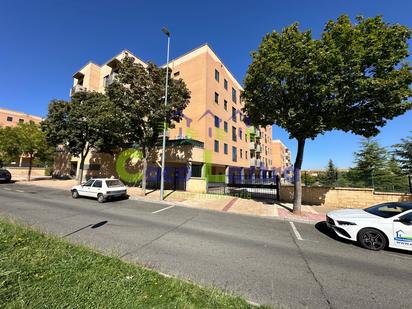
(258, 148)
(77, 88)
(109, 79)
(252, 146)
(254, 132)
(255, 162)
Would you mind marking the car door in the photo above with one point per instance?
(402, 231)
(85, 188)
(96, 188)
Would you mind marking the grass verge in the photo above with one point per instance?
(40, 271)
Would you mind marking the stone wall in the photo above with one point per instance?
(342, 197)
(195, 184)
(22, 172)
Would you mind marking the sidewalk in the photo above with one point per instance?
(224, 203)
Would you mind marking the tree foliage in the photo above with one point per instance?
(139, 92)
(329, 177)
(403, 152)
(26, 139)
(9, 145)
(87, 122)
(354, 78)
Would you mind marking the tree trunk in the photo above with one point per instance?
(30, 165)
(81, 168)
(144, 173)
(297, 197)
(82, 158)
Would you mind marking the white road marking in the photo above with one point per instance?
(295, 230)
(166, 208)
(8, 189)
(21, 191)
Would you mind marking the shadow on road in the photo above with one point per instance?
(93, 226)
(323, 228)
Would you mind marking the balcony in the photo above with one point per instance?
(258, 148)
(255, 162)
(109, 79)
(77, 88)
(252, 146)
(254, 132)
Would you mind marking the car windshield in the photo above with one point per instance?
(114, 183)
(388, 210)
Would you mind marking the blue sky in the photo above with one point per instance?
(44, 42)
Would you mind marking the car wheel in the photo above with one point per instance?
(75, 194)
(100, 198)
(372, 239)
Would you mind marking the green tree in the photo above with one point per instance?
(26, 139)
(9, 145)
(371, 164)
(87, 122)
(329, 178)
(33, 144)
(403, 152)
(139, 91)
(354, 78)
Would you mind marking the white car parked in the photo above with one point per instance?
(100, 188)
(376, 227)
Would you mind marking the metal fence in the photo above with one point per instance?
(380, 183)
(256, 188)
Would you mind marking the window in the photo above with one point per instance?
(234, 114)
(225, 84)
(176, 74)
(114, 183)
(217, 75)
(216, 98)
(97, 184)
(217, 122)
(94, 167)
(180, 133)
(21, 120)
(225, 149)
(240, 134)
(234, 96)
(387, 210)
(225, 126)
(234, 134)
(241, 153)
(234, 154)
(225, 104)
(216, 146)
(196, 170)
(245, 154)
(9, 118)
(88, 183)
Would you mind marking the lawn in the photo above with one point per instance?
(40, 271)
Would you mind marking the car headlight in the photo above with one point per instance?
(346, 223)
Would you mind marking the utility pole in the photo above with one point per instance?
(162, 178)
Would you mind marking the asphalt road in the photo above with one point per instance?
(264, 260)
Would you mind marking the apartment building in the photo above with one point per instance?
(212, 138)
(281, 156)
(11, 118)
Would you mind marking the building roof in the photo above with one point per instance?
(14, 112)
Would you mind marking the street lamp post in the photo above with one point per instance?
(162, 178)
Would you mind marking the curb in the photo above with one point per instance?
(167, 203)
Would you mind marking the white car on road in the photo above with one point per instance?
(100, 188)
(377, 227)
